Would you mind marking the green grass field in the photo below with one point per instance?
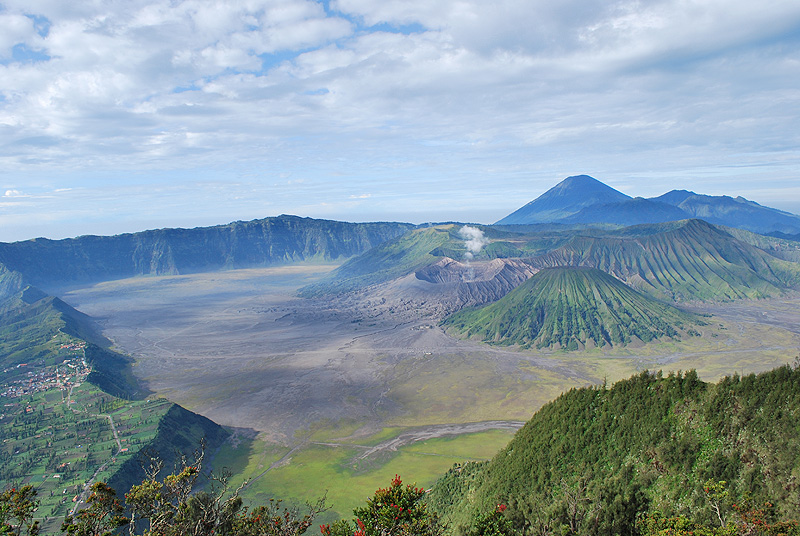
(316, 470)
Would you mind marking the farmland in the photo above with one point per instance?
(60, 440)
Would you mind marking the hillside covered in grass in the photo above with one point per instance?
(598, 460)
(390, 260)
(73, 412)
(571, 308)
(689, 260)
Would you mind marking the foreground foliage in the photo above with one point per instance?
(651, 455)
(394, 511)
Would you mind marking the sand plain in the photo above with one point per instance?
(242, 349)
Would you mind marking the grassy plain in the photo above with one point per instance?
(316, 469)
(317, 381)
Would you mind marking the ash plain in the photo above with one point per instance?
(242, 349)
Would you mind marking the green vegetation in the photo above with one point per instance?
(641, 456)
(680, 261)
(569, 308)
(388, 261)
(688, 260)
(394, 511)
(38, 331)
(57, 441)
(333, 469)
(70, 413)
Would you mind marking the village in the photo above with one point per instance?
(70, 372)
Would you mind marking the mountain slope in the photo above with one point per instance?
(596, 459)
(733, 212)
(563, 200)
(570, 308)
(628, 212)
(10, 283)
(680, 261)
(585, 200)
(53, 359)
(265, 242)
(34, 327)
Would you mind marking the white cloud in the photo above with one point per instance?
(15, 29)
(492, 92)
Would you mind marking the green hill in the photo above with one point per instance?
(415, 250)
(596, 459)
(570, 308)
(35, 326)
(680, 261)
(390, 260)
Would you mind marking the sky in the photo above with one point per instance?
(123, 115)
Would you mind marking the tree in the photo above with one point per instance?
(170, 508)
(394, 511)
(102, 517)
(18, 505)
(492, 524)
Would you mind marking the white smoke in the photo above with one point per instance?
(473, 239)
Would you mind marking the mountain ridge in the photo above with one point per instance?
(266, 242)
(584, 199)
(690, 260)
(563, 200)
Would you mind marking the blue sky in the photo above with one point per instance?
(123, 115)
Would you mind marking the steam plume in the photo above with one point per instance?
(473, 239)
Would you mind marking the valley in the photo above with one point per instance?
(321, 358)
(311, 383)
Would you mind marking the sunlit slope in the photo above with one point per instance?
(680, 261)
(571, 308)
(67, 439)
(10, 282)
(389, 260)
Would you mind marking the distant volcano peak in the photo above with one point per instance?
(565, 199)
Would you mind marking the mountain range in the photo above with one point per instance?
(265, 242)
(582, 266)
(583, 199)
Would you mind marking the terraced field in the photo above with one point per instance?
(61, 441)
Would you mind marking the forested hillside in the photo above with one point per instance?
(651, 449)
(690, 260)
(74, 413)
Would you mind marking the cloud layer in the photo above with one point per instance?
(366, 108)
